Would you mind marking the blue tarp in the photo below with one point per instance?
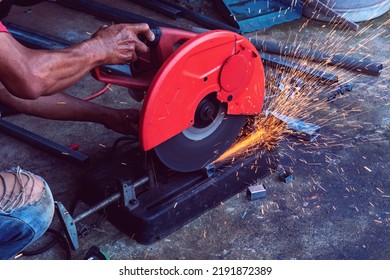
(252, 15)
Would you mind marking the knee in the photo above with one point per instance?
(20, 188)
(26, 209)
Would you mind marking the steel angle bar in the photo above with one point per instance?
(42, 143)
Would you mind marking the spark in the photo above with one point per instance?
(297, 95)
(379, 190)
(368, 169)
(18, 256)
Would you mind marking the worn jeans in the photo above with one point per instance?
(23, 226)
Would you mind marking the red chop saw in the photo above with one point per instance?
(198, 90)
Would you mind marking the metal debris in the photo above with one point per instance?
(256, 192)
(286, 176)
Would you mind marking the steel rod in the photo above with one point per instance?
(97, 207)
(320, 76)
(113, 198)
(340, 60)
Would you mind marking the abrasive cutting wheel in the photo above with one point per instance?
(203, 142)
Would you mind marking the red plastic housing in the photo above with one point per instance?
(217, 61)
(182, 69)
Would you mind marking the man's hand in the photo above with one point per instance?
(119, 43)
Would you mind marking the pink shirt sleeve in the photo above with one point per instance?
(3, 28)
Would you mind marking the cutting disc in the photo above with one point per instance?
(213, 133)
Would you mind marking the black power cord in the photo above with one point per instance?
(58, 238)
(118, 141)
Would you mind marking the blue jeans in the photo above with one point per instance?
(24, 225)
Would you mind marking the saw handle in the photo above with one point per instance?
(121, 80)
(157, 36)
(166, 41)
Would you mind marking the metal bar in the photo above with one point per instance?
(299, 128)
(109, 200)
(34, 39)
(109, 13)
(320, 76)
(97, 207)
(42, 143)
(160, 8)
(340, 60)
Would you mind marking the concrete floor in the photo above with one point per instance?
(338, 206)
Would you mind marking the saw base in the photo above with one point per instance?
(176, 198)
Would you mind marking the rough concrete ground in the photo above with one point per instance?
(338, 206)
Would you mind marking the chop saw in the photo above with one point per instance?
(197, 91)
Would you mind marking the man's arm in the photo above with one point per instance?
(29, 74)
(62, 106)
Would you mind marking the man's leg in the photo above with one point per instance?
(62, 106)
(26, 210)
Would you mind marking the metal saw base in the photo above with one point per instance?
(176, 199)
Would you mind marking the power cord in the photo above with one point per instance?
(58, 238)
